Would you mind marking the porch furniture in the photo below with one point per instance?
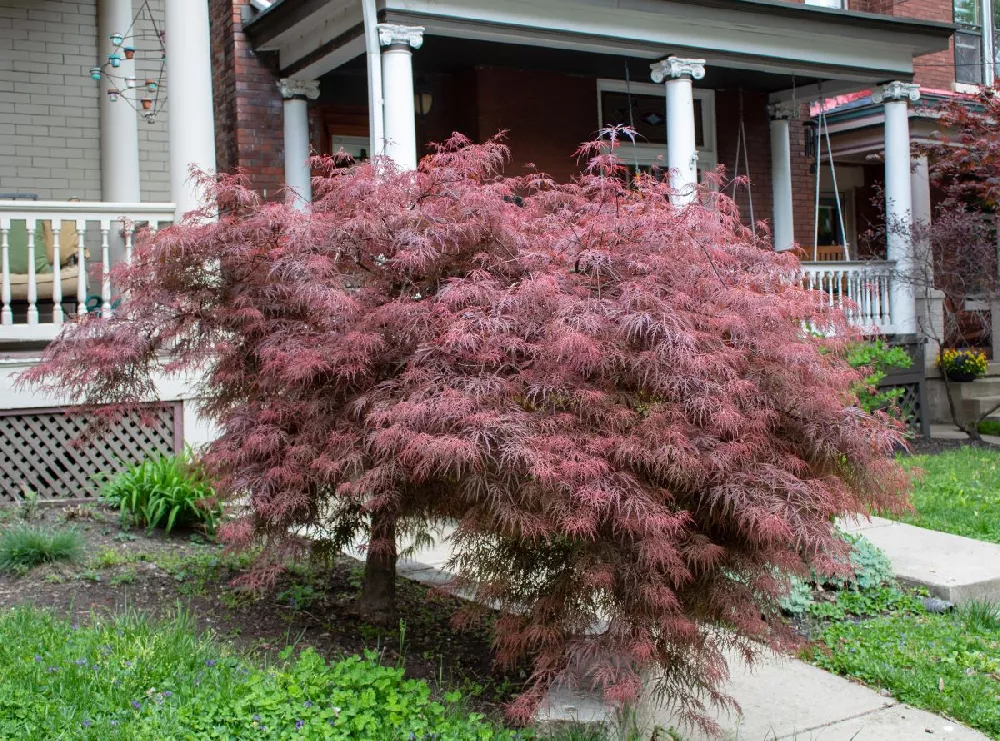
(44, 240)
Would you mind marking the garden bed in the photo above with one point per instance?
(312, 606)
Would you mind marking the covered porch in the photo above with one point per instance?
(727, 82)
(102, 130)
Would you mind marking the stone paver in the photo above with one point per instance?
(953, 568)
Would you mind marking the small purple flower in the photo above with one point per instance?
(53, 669)
(168, 693)
(309, 703)
(128, 664)
(86, 724)
(210, 662)
(37, 658)
(136, 704)
(300, 724)
(114, 723)
(75, 626)
(80, 662)
(257, 718)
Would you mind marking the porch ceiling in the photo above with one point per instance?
(780, 39)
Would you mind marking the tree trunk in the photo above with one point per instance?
(377, 602)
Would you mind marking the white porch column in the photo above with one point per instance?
(191, 115)
(899, 200)
(119, 121)
(682, 152)
(783, 219)
(397, 89)
(298, 176)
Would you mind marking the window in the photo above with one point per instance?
(649, 119)
(976, 40)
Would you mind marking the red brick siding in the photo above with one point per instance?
(248, 115)
(758, 132)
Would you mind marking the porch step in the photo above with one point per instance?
(982, 388)
(970, 409)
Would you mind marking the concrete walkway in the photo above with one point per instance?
(952, 568)
(950, 432)
(781, 698)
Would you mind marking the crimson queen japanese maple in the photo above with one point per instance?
(614, 398)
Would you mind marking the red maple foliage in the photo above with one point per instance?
(614, 398)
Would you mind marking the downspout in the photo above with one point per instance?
(373, 52)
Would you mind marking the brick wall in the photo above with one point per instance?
(758, 134)
(248, 107)
(49, 115)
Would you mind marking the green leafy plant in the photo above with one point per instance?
(877, 358)
(23, 547)
(136, 679)
(28, 507)
(166, 492)
(298, 596)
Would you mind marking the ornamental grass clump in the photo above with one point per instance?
(616, 398)
(23, 547)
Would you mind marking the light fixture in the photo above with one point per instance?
(422, 102)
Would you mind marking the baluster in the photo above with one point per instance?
(32, 224)
(105, 269)
(866, 299)
(129, 231)
(81, 264)
(57, 310)
(828, 275)
(887, 301)
(6, 315)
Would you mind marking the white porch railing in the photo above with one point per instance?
(76, 237)
(863, 289)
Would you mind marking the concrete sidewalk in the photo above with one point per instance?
(781, 698)
(953, 568)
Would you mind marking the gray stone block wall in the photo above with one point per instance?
(49, 111)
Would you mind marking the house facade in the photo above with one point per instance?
(111, 101)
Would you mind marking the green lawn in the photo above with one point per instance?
(947, 664)
(133, 679)
(958, 493)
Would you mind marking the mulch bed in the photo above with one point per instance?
(312, 607)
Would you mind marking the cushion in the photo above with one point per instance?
(17, 242)
(69, 239)
(43, 285)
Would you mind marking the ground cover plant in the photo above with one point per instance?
(130, 678)
(957, 491)
(614, 396)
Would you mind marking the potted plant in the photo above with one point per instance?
(963, 365)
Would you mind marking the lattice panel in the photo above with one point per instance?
(41, 449)
(909, 404)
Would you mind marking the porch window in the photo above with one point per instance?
(649, 119)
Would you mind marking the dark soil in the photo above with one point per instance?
(311, 605)
(933, 446)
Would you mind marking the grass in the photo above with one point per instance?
(958, 493)
(130, 678)
(947, 664)
(23, 547)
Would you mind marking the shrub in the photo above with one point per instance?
(876, 358)
(23, 547)
(989, 427)
(963, 363)
(614, 395)
(135, 679)
(166, 491)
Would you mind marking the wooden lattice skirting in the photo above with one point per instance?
(50, 452)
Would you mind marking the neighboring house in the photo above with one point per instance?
(296, 76)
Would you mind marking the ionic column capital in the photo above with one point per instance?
(392, 34)
(298, 89)
(896, 91)
(674, 68)
(782, 111)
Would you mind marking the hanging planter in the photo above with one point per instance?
(117, 39)
(130, 82)
(95, 73)
(113, 94)
(151, 85)
(115, 59)
(146, 104)
(129, 52)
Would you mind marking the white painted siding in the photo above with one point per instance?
(49, 117)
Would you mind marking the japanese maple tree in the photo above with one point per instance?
(615, 398)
